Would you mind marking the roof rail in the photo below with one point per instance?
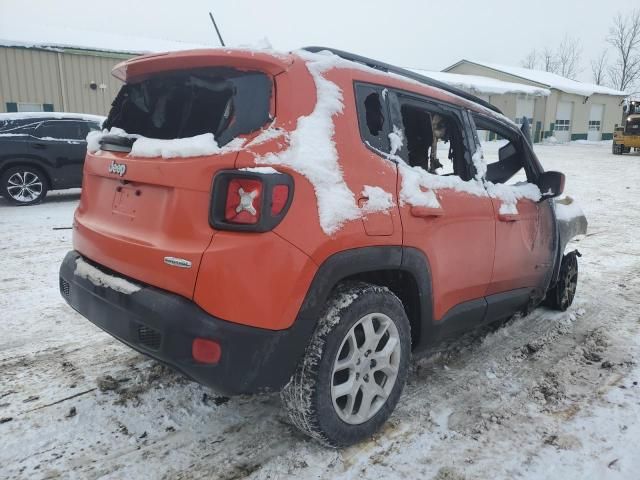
(385, 67)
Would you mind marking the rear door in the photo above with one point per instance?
(63, 143)
(456, 231)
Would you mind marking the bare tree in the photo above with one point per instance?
(549, 62)
(599, 67)
(568, 57)
(624, 37)
(531, 60)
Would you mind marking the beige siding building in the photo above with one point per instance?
(67, 70)
(570, 111)
(57, 79)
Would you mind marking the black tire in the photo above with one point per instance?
(32, 190)
(616, 149)
(561, 295)
(626, 149)
(307, 397)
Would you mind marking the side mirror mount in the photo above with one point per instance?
(551, 184)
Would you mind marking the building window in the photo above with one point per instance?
(30, 107)
(594, 125)
(563, 125)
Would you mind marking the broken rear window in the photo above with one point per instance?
(183, 104)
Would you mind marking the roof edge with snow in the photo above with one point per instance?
(544, 79)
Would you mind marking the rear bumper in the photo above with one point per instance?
(163, 325)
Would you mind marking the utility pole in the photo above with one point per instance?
(216, 27)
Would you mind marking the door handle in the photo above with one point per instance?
(427, 212)
(508, 217)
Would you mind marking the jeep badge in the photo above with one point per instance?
(118, 168)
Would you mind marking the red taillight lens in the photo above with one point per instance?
(244, 201)
(249, 201)
(279, 197)
(206, 351)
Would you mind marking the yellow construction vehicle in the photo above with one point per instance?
(627, 135)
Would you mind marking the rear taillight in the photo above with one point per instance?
(243, 203)
(249, 201)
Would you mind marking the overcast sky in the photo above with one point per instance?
(420, 34)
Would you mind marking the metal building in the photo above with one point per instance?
(68, 74)
(571, 110)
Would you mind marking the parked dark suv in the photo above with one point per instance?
(41, 152)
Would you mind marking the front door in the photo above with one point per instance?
(524, 229)
(444, 214)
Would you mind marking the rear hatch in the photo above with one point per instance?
(146, 217)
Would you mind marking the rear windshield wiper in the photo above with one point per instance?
(116, 143)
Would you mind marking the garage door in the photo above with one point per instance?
(594, 132)
(563, 121)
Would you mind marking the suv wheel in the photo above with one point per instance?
(23, 185)
(354, 369)
(561, 295)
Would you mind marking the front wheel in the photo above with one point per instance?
(354, 368)
(23, 185)
(560, 296)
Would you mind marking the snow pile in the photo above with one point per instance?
(479, 163)
(567, 209)
(144, 147)
(378, 200)
(554, 81)
(57, 115)
(101, 279)
(197, 146)
(510, 194)
(396, 139)
(478, 84)
(36, 35)
(312, 151)
(268, 134)
(419, 187)
(264, 170)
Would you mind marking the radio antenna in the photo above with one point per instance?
(216, 27)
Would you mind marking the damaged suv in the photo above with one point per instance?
(306, 223)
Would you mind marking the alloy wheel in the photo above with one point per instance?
(365, 368)
(24, 186)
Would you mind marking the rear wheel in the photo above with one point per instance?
(560, 296)
(354, 369)
(616, 148)
(23, 185)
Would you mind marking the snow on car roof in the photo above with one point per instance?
(483, 85)
(548, 79)
(57, 115)
(45, 37)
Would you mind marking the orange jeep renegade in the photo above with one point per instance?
(307, 222)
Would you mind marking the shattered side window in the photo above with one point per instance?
(434, 139)
(182, 104)
(373, 116)
(502, 153)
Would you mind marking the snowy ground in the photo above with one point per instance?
(551, 395)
